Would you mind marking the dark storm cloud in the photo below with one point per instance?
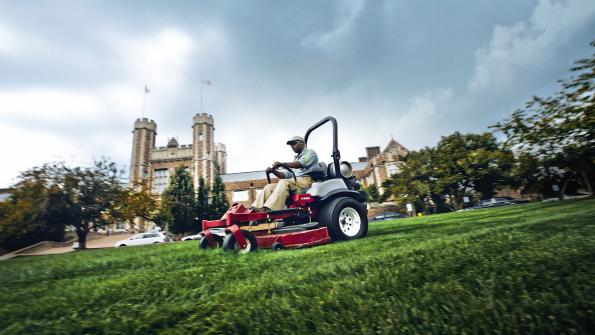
(416, 70)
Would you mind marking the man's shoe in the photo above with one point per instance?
(259, 209)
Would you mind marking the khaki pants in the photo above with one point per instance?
(273, 196)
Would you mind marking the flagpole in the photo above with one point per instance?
(144, 98)
(146, 91)
(203, 82)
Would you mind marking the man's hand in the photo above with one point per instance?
(270, 170)
(276, 164)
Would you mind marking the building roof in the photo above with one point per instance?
(243, 176)
(394, 145)
(358, 165)
(257, 175)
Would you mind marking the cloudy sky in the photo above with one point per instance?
(72, 73)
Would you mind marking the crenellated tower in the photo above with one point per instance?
(221, 158)
(143, 141)
(203, 161)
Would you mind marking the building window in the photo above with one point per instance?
(160, 180)
(239, 196)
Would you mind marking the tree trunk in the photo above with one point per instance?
(82, 235)
(563, 190)
(424, 206)
(587, 182)
(452, 204)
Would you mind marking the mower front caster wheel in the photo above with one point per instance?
(204, 242)
(230, 244)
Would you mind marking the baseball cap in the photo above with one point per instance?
(295, 139)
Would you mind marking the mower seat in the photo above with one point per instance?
(319, 173)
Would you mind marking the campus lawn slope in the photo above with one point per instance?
(516, 269)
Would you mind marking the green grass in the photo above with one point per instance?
(517, 269)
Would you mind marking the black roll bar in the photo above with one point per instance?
(336, 154)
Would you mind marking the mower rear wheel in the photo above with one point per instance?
(345, 219)
(230, 244)
(204, 242)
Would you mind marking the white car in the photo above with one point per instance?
(217, 231)
(192, 237)
(143, 238)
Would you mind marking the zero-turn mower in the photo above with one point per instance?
(332, 209)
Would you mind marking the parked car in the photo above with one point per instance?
(497, 202)
(218, 231)
(143, 238)
(192, 237)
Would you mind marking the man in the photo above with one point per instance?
(273, 196)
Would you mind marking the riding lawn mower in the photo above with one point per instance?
(332, 209)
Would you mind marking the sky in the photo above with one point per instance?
(72, 73)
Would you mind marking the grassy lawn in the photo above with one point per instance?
(517, 269)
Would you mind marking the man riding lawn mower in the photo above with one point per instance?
(311, 204)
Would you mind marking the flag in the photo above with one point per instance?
(147, 90)
(206, 82)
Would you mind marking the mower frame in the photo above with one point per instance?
(239, 221)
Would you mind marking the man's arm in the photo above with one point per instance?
(279, 174)
(293, 165)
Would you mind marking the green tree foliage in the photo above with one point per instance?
(179, 201)
(56, 213)
(414, 183)
(48, 198)
(202, 204)
(32, 213)
(555, 136)
(219, 204)
(373, 193)
(437, 178)
(163, 218)
(471, 162)
(140, 202)
(93, 196)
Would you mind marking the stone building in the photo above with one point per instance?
(381, 165)
(202, 158)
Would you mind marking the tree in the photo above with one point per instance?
(163, 218)
(471, 162)
(202, 203)
(558, 131)
(50, 197)
(458, 164)
(219, 204)
(31, 213)
(92, 195)
(179, 201)
(415, 182)
(139, 202)
(373, 193)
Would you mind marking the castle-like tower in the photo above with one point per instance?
(203, 148)
(143, 140)
(202, 158)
